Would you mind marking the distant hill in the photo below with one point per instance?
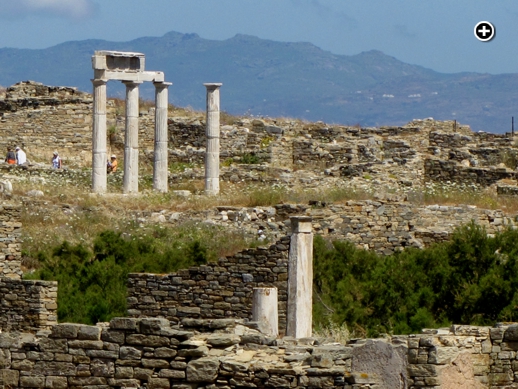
(263, 77)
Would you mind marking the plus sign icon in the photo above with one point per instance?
(484, 31)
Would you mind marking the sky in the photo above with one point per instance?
(436, 34)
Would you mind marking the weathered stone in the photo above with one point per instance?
(223, 340)
(202, 370)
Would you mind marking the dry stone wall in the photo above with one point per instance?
(215, 290)
(24, 305)
(27, 305)
(10, 240)
(231, 353)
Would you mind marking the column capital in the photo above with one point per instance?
(161, 84)
(132, 83)
(301, 224)
(212, 85)
(98, 81)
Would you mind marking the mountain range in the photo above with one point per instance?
(278, 79)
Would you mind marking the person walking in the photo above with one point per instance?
(10, 158)
(56, 161)
(21, 157)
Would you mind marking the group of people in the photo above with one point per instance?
(18, 157)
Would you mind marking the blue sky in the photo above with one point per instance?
(437, 34)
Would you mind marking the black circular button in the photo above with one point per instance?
(484, 31)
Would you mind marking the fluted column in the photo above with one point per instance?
(160, 167)
(300, 278)
(130, 181)
(212, 133)
(99, 137)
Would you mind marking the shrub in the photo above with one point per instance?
(92, 285)
(473, 279)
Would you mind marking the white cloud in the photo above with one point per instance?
(73, 9)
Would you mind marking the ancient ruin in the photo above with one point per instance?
(216, 325)
(128, 68)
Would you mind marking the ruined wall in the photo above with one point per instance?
(135, 353)
(229, 353)
(27, 305)
(24, 305)
(10, 240)
(441, 170)
(215, 290)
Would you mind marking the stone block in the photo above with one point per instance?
(422, 370)
(202, 369)
(53, 382)
(173, 374)
(89, 333)
(65, 330)
(9, 378)
(154, 326)
(147, 340)
(124, 323)
(32, 382)
(159, 383)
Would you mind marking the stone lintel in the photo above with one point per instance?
(129, 76)
(118, 60)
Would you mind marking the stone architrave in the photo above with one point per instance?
(127, 67)
(160, 168)
(212, 133)
(265, 310)
(130, 180)
(300, 279)
(99, 137)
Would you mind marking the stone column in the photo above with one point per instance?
(99, 137)
(265, 311)
(300, 278)
(160, 167)
(212, 133)
(130, 181)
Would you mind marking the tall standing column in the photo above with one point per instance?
(300, 278)
(160, 167)
(212, 133)
(130, 181)
(99, 137)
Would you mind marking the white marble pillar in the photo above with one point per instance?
(212, 133)
(130, 180)
(300, 279)
(265, 311)
(99, 137)
(160, 167)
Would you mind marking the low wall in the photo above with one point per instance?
(229, 353)
(215, 290)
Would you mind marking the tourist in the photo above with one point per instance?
(56, 161)
(10, 158)
(111, 167)
(21, 157)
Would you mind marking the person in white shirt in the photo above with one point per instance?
(56, 161)
(21, 157)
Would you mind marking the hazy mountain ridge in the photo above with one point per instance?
(264, 77)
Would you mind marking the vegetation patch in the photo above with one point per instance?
(473, 279)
